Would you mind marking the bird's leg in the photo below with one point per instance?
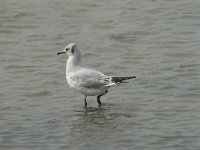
(85, 101)
(98, 98)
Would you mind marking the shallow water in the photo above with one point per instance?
(156, 40)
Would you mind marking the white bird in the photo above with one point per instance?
(88, 81)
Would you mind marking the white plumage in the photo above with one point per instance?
(88, 81)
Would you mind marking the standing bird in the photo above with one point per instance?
(86, 80)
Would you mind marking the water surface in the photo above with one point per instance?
(156, 40)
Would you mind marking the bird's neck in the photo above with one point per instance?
(73, 62)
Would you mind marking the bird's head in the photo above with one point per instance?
(71, 49)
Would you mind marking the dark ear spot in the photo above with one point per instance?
(72, 49)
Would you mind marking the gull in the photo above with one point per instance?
(86, 80)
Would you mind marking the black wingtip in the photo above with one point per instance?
(121, 79)
(130, 77)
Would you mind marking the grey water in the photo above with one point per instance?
(156, 40)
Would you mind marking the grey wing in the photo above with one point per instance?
(89, 78)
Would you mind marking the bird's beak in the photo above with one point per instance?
(61, 53)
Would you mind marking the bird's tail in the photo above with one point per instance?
(118, 80)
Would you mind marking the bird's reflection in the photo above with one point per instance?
(95, 115)
(94, 119)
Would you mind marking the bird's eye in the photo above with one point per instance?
(66, 49)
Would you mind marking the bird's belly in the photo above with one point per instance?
(91, 92)
(88, 91)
